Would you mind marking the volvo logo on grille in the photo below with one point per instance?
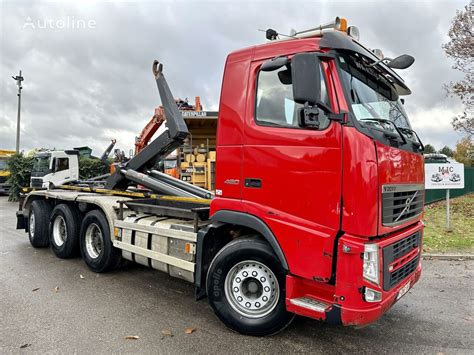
(407, 206)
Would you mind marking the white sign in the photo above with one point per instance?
(444, 176)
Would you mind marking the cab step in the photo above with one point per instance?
(310, 303)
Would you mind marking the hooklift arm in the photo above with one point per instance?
(164, 144)
(106, 153)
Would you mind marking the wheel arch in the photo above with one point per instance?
(222, 231)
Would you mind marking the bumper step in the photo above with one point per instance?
(310, 303)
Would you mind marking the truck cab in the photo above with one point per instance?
(54, 168)
(315, 150)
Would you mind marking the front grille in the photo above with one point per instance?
(36, 183)
(396, 252)
(3, 179)
(404, 246)
(401, 203)
(401, 274)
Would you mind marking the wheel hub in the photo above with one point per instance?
(252, 289)
(32, 224)
(94, 241)
(59, 231)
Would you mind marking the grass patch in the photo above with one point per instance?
(461, 237)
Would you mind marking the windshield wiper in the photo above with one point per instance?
(413, 133)
(383, 120)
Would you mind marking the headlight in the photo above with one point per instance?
(371, 263)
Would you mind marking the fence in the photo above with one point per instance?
(437, 195)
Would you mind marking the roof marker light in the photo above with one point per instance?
(353, 31)
(378, 53)
(342, 26)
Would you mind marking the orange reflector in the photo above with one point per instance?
(116, 232)
(187, 248)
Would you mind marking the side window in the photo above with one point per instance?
(274, 102)
(63, 164)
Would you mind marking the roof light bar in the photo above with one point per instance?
(339, 24)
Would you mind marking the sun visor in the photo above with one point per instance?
(341, 41)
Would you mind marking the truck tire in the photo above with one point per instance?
(97, 249)
(246, 288)
(64, 228)
(38, 223)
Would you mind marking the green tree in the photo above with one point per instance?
(89, 168)
(461, 49)
(429, 149)
(465, 151)
(447, 151)
(20, 172)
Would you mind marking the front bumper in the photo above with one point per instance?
(345, 298)
(363, 316)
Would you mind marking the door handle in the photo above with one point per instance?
(251, 182)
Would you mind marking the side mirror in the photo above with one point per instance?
(401, 62)
(306, 79)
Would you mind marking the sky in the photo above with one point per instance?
(87, 64)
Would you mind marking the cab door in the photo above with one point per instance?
(61, 171)
(292, 175)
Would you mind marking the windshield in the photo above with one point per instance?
(41, 163)
(3, 164)
(373, 97)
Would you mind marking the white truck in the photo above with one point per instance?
(54, 168)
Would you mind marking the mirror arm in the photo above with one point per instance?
(338, 117)
(333, 116)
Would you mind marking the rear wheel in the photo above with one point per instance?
(65, 224)
(246, 288)
(38, 223)
(96, 245)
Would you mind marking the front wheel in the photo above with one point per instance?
(246, 288)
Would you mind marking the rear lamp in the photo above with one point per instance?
(372, 295)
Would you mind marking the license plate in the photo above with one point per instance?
(403, 290)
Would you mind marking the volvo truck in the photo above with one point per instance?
(319, 191)
(54, 168)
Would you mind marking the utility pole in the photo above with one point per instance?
(18, 79)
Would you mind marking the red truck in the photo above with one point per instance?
(319, 191)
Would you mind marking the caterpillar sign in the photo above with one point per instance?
(444, 176)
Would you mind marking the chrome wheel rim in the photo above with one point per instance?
(32, 224)
(59, 231)
(94, 241)
(252, 289)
